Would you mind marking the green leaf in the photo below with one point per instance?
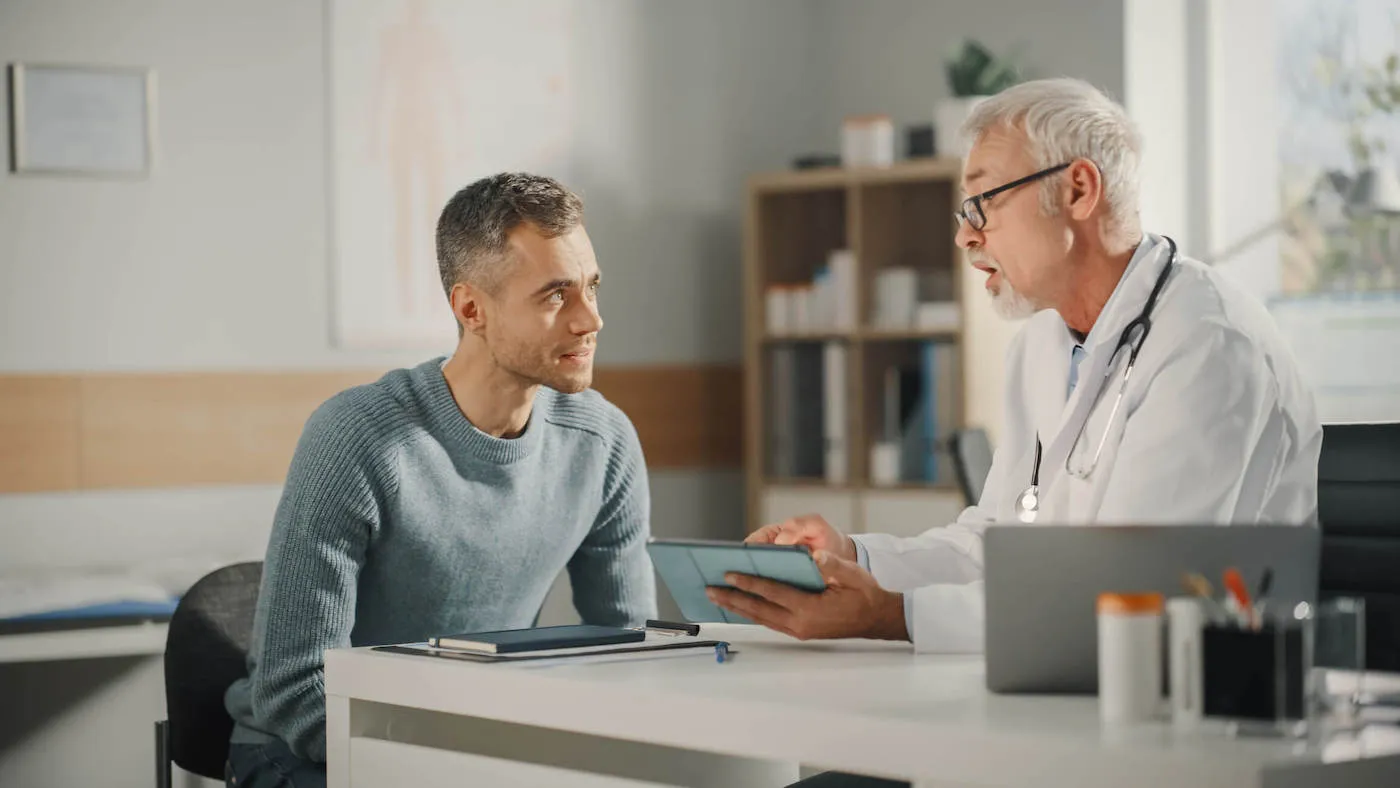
(973, 70)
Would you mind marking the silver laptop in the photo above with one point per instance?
(1042, 583)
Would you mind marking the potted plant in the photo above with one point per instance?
(974, 74)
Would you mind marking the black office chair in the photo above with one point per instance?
(1358, 503)
(972, 461)
(205, 652)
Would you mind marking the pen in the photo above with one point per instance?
(672, 628)
(723, 654)
(1234, 583)
(1266, 581)
(1201, 588)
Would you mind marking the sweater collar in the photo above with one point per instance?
(449, 421)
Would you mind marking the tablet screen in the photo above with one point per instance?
(688, 567)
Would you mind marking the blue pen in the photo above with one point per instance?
(722, 652)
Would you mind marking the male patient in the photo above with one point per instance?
(446, 498)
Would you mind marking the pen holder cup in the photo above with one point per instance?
(1258, 678)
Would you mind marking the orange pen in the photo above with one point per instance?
(1234, 583)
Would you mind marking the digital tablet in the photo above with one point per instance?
(688, 566)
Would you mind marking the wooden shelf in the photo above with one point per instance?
(810, 336)
(807, 483)
(888, 217)
(804, 483)
(898, 334)
(951, 334)
(914, 487)
(932, 169)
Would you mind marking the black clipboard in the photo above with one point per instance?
(468, 656)
(689, 634)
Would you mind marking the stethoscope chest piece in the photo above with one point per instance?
(1028, 504)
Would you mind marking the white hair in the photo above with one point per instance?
(1066, 119)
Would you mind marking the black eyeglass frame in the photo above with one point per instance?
(971, 211)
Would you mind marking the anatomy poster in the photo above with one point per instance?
(426, 97)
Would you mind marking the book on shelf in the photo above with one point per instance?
(919, 407)
(835, 439)
(940, 393)
(806, 418)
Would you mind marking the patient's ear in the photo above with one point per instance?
(469, 307)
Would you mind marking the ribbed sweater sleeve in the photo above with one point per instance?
(611, 573)
(341, 479)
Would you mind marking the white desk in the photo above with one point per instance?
(145, 638)
(867, 708)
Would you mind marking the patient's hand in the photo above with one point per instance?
(811, 530)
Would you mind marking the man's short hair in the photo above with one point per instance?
(474, 228)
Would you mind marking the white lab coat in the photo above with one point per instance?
(1216, 426)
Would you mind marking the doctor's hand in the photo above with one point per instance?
(810, 530)
(852, 606)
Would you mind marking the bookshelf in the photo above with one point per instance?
(898, 217)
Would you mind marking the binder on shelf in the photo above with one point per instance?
(835, 420)
(782, 460)
(808, 411)
(940, 407)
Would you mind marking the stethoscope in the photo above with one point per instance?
(1028, 502)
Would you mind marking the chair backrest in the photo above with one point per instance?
(972, 461)
(205, 652)
(1358, 506)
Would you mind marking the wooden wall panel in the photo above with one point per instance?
(105, 431)
(177, 430)
(685, 416)
(38, 433)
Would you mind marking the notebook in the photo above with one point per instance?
(513, 641)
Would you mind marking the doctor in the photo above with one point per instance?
(1144, 388)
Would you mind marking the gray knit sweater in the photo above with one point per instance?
(400, 520)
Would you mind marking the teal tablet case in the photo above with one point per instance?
(688, 567)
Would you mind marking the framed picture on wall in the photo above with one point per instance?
(95, 121)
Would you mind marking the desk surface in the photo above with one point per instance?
(866, 707)
(145, 638)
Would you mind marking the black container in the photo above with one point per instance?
(1255, 674)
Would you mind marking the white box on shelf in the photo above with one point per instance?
(896, 293)
(842, 265)
(777, 309)
(822, 305)
(867, 141)
(937, 316)
(884, 463)
(801, 308)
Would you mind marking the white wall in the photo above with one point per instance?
(1155, 95)
(888, 55)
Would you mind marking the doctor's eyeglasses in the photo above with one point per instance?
(971, 210)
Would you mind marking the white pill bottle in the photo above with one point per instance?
(1130, 657)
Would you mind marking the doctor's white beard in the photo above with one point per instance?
(1006, 301)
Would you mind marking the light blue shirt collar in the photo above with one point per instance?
(1077, 353)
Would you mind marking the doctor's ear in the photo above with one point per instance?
(1084, 183)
